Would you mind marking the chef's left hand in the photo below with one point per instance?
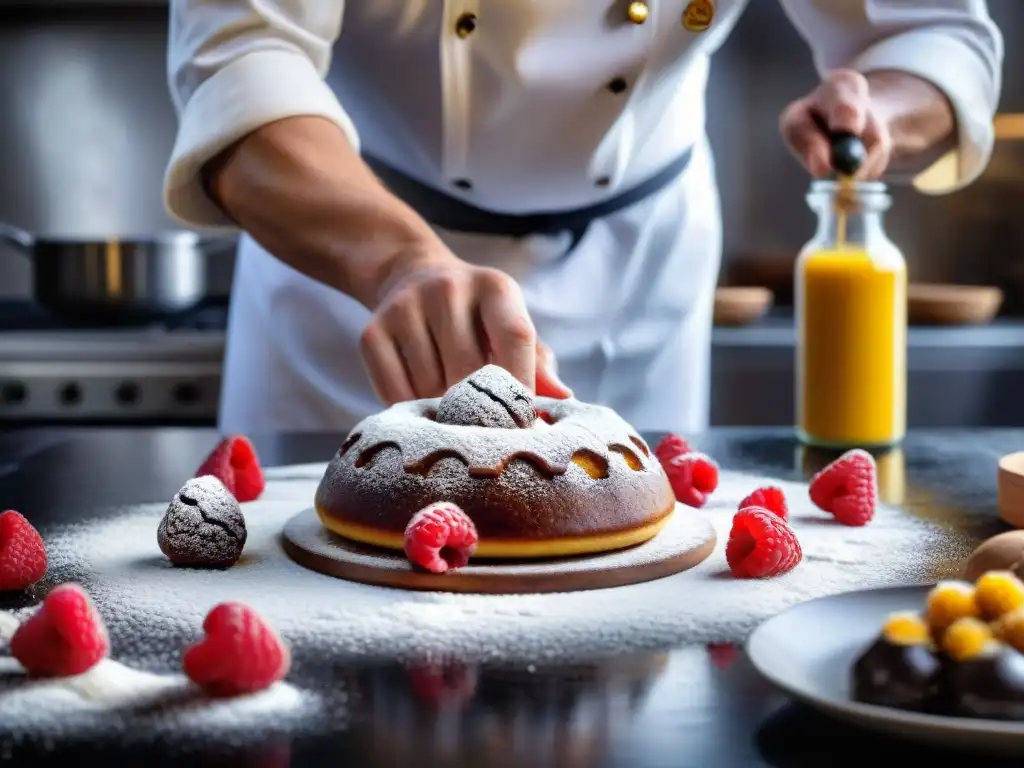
(842, 103)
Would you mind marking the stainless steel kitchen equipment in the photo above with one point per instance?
(118, 280)
(161, 374)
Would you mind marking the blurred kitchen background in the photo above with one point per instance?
(86, 126)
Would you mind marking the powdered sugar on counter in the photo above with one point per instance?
(114, 698)
(152, 609)
(9, 624)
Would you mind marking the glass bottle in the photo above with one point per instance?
(851, 322)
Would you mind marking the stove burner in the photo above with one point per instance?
(53, 370)
(26, 315)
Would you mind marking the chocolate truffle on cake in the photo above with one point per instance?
(583, 483)
(900, 669)
(491, 397)
(203, 525)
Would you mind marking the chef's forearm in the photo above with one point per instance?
(305, 195)
(920, 118)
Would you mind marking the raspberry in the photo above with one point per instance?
(906, 629)
(22, 554)
(967, 638)
(440, 537)
(723, 655)
(64, 637)
(234, 462)
(948, 601)
(693, 476)
(998, 592)
(847, 488)
(770, 498)
(447, 686)
(671, 446)
(1010, 629)
(240, 654)
(761, 544)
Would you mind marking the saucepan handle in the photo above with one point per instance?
(17, 237)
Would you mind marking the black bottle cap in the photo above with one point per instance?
(848, 153)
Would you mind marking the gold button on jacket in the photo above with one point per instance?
(637, 12)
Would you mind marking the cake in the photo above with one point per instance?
(539, 477)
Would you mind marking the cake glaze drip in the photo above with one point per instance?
(567, 428)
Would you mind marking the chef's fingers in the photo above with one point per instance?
(805, 139)
(384, 365)
(506, 325)
(548, 383)
(843, 101)
(449, 306)
(878, 143)
(406, 322)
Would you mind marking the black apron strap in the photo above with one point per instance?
(449, 213)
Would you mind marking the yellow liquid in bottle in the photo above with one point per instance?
(852, 364)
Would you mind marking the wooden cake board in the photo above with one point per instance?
(686, 541)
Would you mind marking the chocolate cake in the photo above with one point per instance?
(539, 477)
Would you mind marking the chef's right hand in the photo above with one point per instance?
(438, 320)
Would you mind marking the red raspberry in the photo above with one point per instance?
(761, 544)
(440, 537)
(234, 462)
(670, 447)
(64, 637)
(545, 416)
(446, 686)
(694, 477)
(847, 488)
(240, 653)
(723, 655)
(770, 498)
(22, 554)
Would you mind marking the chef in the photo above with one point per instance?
(427, 185)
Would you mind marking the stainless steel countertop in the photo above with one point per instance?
(779, 331)
(996, 346)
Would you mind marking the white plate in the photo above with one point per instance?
(808, 652)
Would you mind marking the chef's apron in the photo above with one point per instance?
(625, 305)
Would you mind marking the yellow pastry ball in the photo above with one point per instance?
(1010, 628)
(947, 602)
(906, 629)
(967, 638)
(998, 592)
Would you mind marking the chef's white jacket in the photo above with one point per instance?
(518, 106)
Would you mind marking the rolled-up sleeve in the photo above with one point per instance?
(237, 65)
(954, 44)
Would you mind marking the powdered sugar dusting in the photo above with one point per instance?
(484, 450)
(8, 626)
(568, 504)
(203, 525)
(490, 397)
(134, 586)
(115, 699)
(586, 473)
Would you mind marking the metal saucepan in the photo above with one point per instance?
(122, 281)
